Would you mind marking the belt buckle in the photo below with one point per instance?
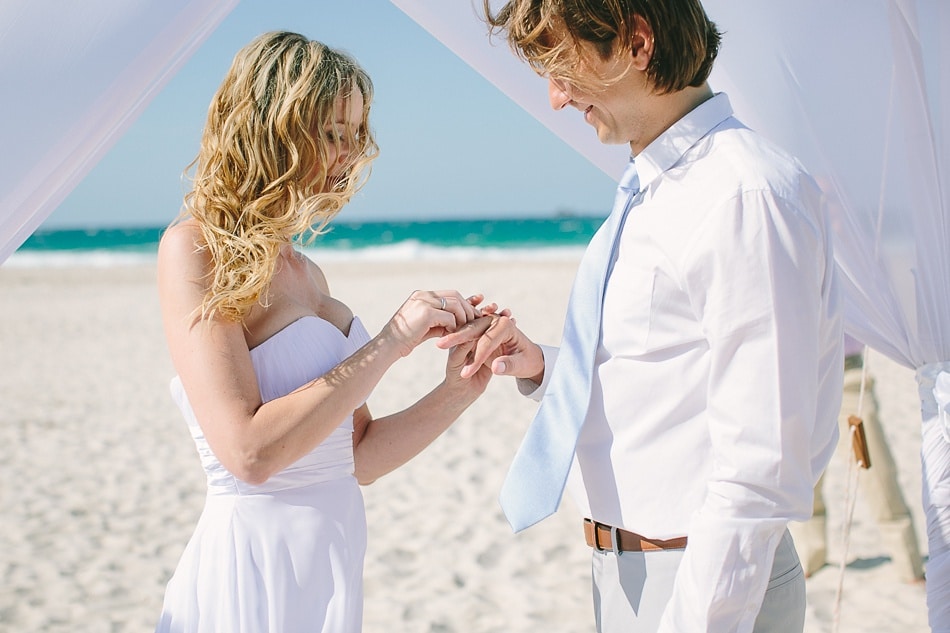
(614, 540)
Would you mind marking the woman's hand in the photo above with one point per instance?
(427, 314)
(488, 308)
(460, 358)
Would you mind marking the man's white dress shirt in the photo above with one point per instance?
(718, 376)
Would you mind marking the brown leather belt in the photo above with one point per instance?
(600, 537)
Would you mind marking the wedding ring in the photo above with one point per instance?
(442, 307)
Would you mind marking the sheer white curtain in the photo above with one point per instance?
(74, 76)
(859, 90)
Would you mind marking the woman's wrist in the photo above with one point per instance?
(458, 394)
(390, 345)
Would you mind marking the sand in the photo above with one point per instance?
(101, 485)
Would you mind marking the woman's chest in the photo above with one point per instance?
(295, 294)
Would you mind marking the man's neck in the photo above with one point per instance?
(667, 109)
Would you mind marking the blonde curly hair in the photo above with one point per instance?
(261, 178)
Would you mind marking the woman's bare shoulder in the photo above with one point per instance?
(182, 243)
(184, 235)
(182, 256)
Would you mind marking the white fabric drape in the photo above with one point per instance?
(859, 90)
(74, 76)
(933, 380)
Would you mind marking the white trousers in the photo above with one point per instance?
(631, 590)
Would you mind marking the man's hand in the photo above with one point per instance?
(500, 345)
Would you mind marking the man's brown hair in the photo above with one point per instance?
(546, 34)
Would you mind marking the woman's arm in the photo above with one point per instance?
(254, 440)
(381, 446)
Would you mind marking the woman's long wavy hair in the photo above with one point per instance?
(262, 177)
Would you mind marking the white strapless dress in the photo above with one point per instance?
(285, 556)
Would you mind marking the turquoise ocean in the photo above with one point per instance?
(400, 240)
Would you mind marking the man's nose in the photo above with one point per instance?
(558, 94)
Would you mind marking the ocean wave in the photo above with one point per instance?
(408, 250)
(78, 258)
(413, 250)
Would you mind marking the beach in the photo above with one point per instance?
(101, 484)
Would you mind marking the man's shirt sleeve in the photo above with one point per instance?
(754, 274)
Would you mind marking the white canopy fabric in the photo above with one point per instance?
(855, 88)
(859, 90)
(75, 75)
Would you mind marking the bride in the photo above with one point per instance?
(273, 371)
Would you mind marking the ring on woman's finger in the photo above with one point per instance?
(442, 307)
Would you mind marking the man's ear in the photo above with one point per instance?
(641, 43)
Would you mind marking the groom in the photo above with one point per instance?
(698, 381)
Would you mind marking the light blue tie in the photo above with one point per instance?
(535, 482)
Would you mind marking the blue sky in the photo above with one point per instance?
(452, 144)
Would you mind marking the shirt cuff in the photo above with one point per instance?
(530, 388)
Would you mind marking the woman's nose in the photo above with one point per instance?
(344, 152)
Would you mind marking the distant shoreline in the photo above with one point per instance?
(507, 239)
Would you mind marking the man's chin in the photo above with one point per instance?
(606, 138)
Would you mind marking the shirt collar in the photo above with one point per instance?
(671, 145)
